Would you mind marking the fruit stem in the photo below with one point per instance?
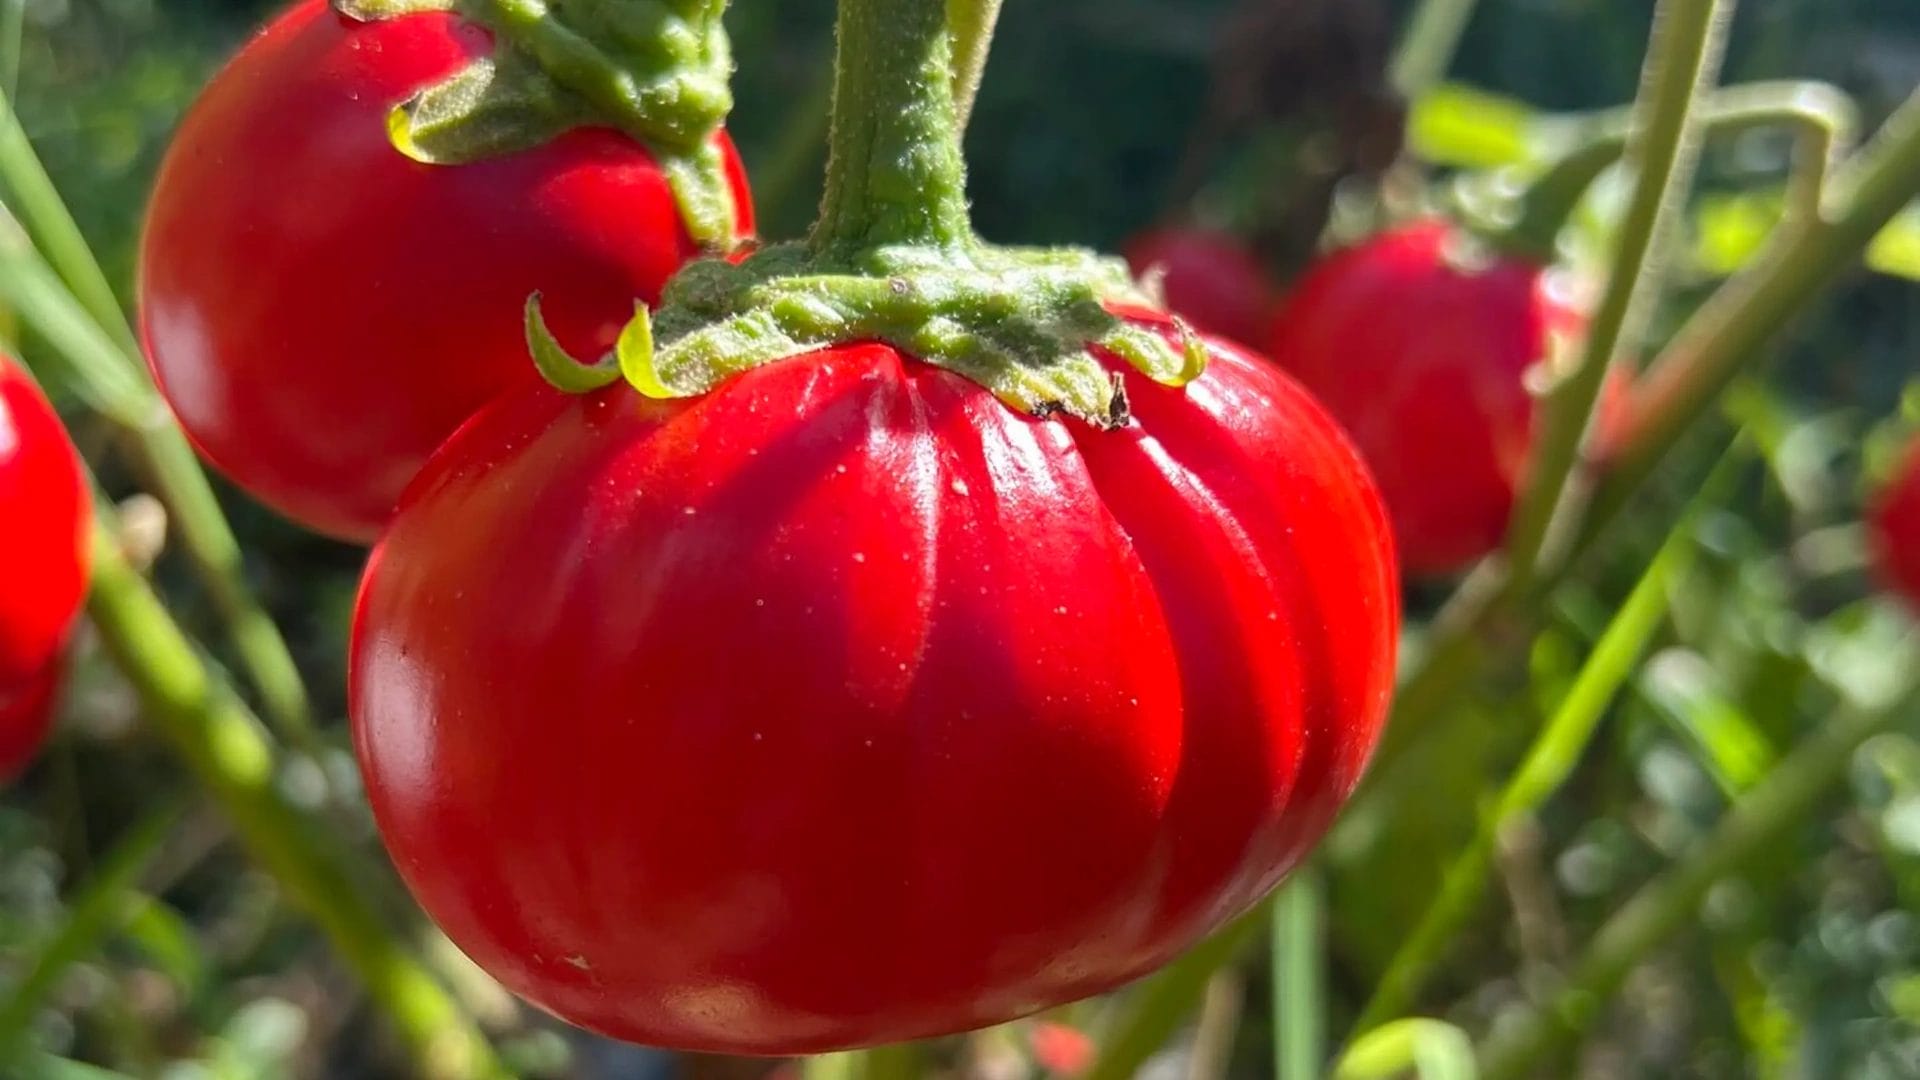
(1683, 60)
(894, 170)
(1821, 116)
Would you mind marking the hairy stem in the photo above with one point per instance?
(895, 175)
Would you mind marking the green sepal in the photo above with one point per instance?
(557, 366)
(1029, 326)
(493, 106)
(658, 70)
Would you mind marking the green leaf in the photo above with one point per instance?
(1429, 1049)
(1731, 230)
(1471, 129)
(1896, 251)
(1686, 691)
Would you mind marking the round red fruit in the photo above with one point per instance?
(845, 705)
(43, 560)
(1420, 344)
(1895, 529)
(1209, 278)
(322, 311)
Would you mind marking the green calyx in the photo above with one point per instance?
(1025, 324)
(658, 70)
(893, 258)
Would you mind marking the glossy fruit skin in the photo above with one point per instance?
(1895, 529)
(43, 561)
(1210, 279)
(1424, 360)
(322, 312)
(845, 705)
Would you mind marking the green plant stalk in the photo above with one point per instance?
(1754, 826)
(970, 23)
(1734, 327)
(1427, 48)
(895, 175)
(225, 749)
(92, 915)
(1299, 978)
(1683, 62)
(1551, 759)
(110, 357)
(1155, 1011)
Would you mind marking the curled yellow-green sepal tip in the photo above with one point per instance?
(638, 358)
(1147, 351)
(557, 366)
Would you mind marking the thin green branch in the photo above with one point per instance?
(96, 364)
(1755, 826)
(1683, 62)
(1729, 333)
(1427, 47)
(1561, 744)
(1299, 978)
(1733, 329)
(1822, 119)
(223, 746)
(32, 197)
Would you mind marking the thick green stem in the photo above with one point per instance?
(970, 23)
(1733, 328)
(1683, 61)
(1754, 828)
(222, 744)
(894, 171)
